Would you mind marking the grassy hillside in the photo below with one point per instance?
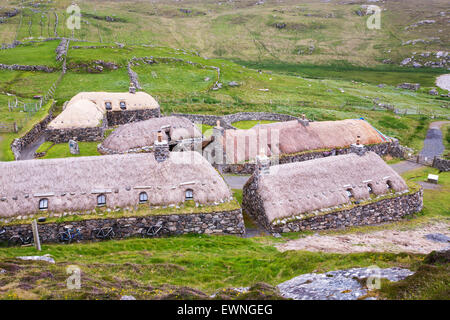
(306, 31)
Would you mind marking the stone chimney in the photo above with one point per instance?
(218, 131)
(304, 121)
(161, 148)
(132, 88)
(358, 148)
(263, 163)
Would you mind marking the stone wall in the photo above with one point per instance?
(382, 149)
(225, 222)
(227, 120)
(441, 164)
(38, 129)
(117, 118)
(387, 210)
(18, 67)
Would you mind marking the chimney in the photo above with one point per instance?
(132, 88)
(161, 148)
(304, 121)
(263, 163)
(358, 148)
(218, 131)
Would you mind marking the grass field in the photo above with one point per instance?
(61, 150)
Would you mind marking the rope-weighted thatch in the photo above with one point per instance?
(73, 184)
(144, 133)
(80, 114)
(302, 187)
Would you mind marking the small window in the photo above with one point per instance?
(143, 197)
(389, 184)
(101, 200)
(349, 193)
(369, 188)
(123, 105)
(43, 204)
(189, 194)
(108, 105)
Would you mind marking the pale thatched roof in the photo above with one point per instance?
(87, 109)
(302, 187)
(80, 114)
(292, 137)
(144, 133)
(134, 101)
(72, 184)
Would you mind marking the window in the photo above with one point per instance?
(189, 194)
(349, 193)
(101, 200)
(369, 188)
(123, 105)
(108, 105)
(43, 204)
(143, 197)
(389, 184)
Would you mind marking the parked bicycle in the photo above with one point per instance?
(70, 234)
(154, 231)
(103, 233)
(21, 239)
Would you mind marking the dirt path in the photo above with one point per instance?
(413, 241)
(443, 82)
(28, 152)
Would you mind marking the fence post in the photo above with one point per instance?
(37, 242)
(15, 127)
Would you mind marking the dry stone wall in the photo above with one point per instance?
(224, 222)
(117, 118)
(441, 164)
(386, 210)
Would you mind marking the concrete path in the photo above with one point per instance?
(28, 152)
(236, 182)
(433, 145)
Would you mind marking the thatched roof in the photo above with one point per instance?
(87, 109)
(144, 133)
(80, 114)
(302, 187)
(293, 137)
(134, 101)
(72, 184)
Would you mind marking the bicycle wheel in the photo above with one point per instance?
(15, 241)
(63, 237)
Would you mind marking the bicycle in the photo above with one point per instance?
(154, 231)
(70, 235)
(21, 240)
(103, 233)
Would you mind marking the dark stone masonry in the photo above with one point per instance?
(224, 223)
(78, 134)
(389, 148)
(20, 144)
(386, 210)
(117, 118)
(441, 164)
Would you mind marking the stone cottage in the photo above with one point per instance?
(354, 189)
(88, 114)
(180, 132)
(291, 141)
(161, 178)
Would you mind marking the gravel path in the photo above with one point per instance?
(236, 182)
(414, 241)
(28, 152)
(443, 82)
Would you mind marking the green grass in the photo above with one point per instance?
(436, 202)
(40, 53)
(203, 262)
(61, 150)
(248, 124)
